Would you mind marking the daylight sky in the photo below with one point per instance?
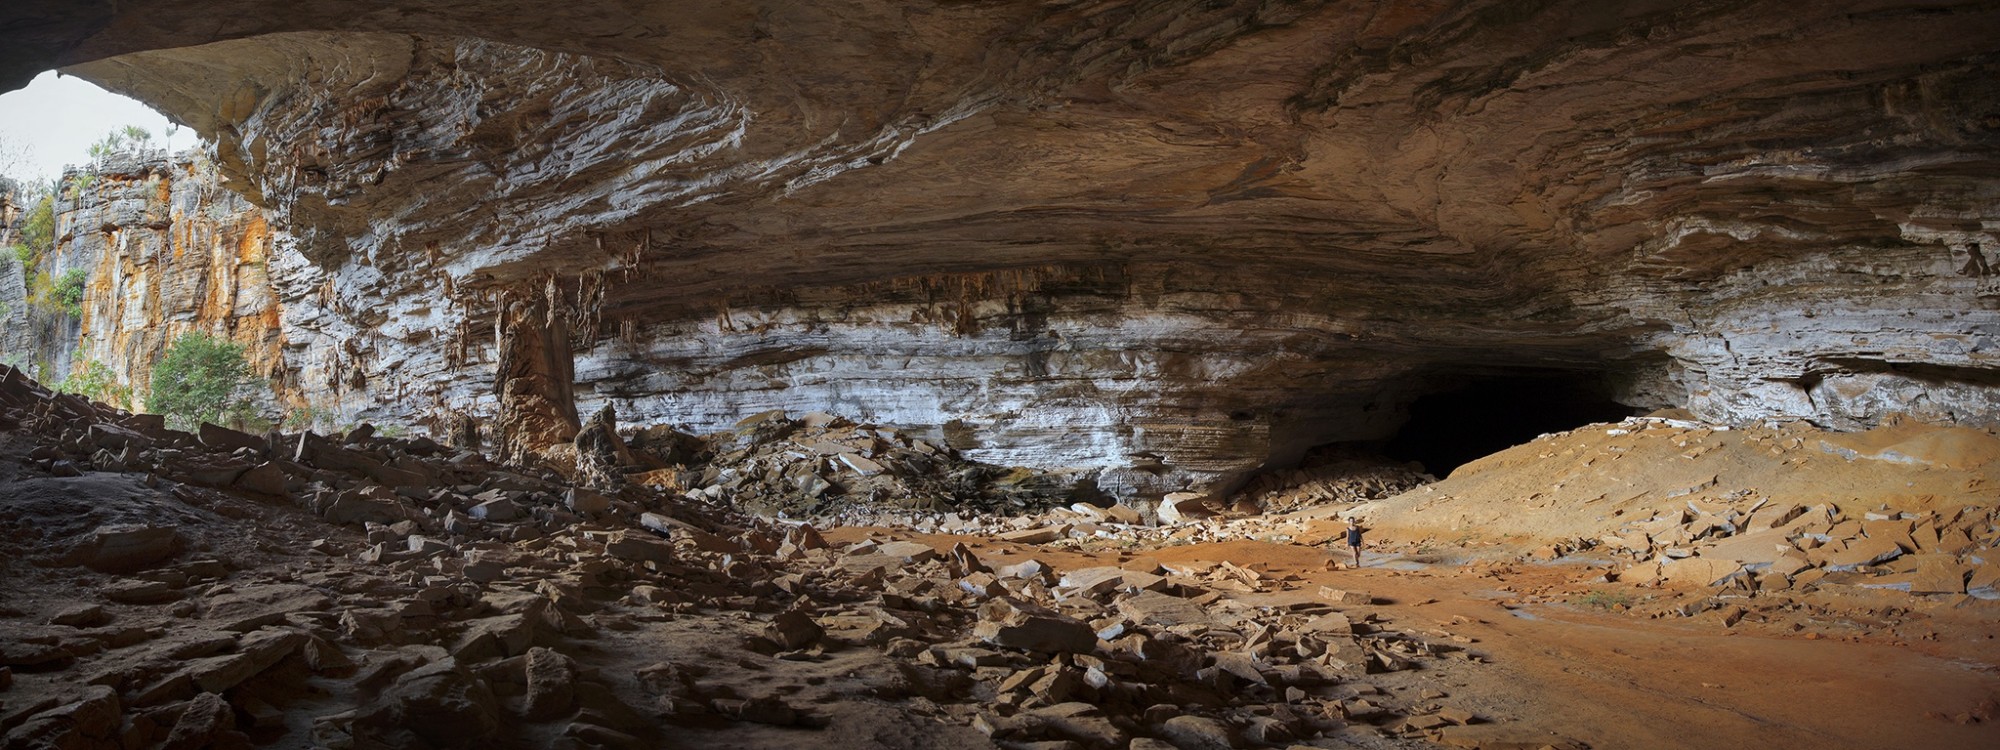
(54, 120)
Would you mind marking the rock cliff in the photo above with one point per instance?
(1172, 240)
(163, 248)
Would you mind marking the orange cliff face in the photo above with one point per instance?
(167, 252)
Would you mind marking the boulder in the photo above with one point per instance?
(1697, 571)
(1154, 608)
(126, 548)
(256, 653)
(352, 507)
(90, 721)
(1197, 733)
(1345, 596)
(1179, 507)
(1013, 624)
(639, 547)
(227, 440)
(263, 479)
(250, 607)
(551, 685)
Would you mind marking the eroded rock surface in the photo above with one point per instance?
(1171, 241)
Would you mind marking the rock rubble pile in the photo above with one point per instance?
(1764, 546)
(820, 464)
(382, 592)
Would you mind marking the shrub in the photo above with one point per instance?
(95, 381)
(68, 291)
(203, 378)
(38, 236)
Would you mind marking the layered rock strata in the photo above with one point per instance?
(1169, 240)
(164, 249)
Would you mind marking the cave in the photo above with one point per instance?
(1004, 375)
(1495, 411)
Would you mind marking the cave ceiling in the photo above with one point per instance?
(1502, 154)
(1178, 207)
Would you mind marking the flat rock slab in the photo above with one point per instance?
(1154, 608)
(911, 552)
(1697, 571)
(1042, 535)
(251, 607)
(1754, 548)
(1939, 574)
(126, 548)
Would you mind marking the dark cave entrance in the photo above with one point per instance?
(1480, 416)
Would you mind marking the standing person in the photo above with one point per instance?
(1354, 529)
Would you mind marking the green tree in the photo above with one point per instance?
(203, 378)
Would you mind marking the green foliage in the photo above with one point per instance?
(68, 292)
(95, 381)
(203, 378)
(80, 182)
(136, 135)
(111, 143)
(38, 227)
(307, 417)
(38, 237)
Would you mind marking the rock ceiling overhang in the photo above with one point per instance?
(1501, 151)
(1183, 210)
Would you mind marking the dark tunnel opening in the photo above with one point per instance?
(1448, 429)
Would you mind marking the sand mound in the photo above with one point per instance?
(1590, 481)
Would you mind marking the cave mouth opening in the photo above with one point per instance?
(1483, 414)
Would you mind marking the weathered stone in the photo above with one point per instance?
(126, 548)
(1013, 624)
(251, 607)
(442, 704)
(1084, 723)
(1181, 507)
(497, 509)
(256, 652)
(1345, 596)
(794, 629)
(207, 721)
(860, 465)
(1038, 535)
(1939, 574)
(586, 502)
(1153, 608)
(263, 479)
(87, 723)
(551, 685)
(640, 548)
(1198, 733)
(354, 508)
(225, 439)
(1858, 553)
(81, 616)
(910, 552)
(1698, 571)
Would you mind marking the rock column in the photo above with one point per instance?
(535, 380)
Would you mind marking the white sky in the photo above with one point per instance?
(54, 120)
